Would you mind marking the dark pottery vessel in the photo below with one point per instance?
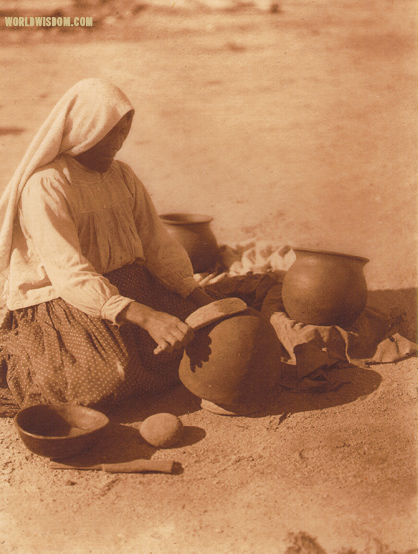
(234, 362)
(59, 431)
(193, 232)
(325, 288)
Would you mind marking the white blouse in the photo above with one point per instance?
(74, 225)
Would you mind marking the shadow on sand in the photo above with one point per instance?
(348, 384)
(405, 300)
(123, 443)
(178, 401)
(11, 131)
(351, 383)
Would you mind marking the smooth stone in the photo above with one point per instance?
(162, 430)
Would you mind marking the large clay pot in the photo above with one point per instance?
(195, 235)
(325, 288)
(234, 362)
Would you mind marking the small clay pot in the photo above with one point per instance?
(325, 288)
(193, 232)
(234, 362)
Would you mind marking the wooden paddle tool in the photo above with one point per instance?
(215, 311)
(136, 466)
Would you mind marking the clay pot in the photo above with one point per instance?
(234, 362)
(325, 288)
(195, 235)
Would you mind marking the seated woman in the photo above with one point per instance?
(97, 291)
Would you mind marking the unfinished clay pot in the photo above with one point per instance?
(325, 288)
(195, 235)
(234, 362)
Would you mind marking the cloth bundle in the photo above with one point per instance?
(254, 271)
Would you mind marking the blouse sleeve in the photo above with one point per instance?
(46, 215)
(164, 256)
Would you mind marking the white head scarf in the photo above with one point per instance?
(83, 116)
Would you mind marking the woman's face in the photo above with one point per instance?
(101, 155)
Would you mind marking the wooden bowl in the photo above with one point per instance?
(59, 431)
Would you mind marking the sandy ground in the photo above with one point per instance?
(299, 128)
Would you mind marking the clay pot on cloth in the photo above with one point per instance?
(233, 363)
(193, 232)
(325, 288)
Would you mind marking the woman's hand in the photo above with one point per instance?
(168, 331)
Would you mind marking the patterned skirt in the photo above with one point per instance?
(53, 352)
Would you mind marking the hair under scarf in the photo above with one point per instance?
(83, 116)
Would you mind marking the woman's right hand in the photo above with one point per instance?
(168, 331)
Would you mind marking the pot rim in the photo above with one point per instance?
(185, 218)
(331, 253)
(59, 409)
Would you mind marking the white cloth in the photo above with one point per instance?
(251, 256)
(83, 116)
